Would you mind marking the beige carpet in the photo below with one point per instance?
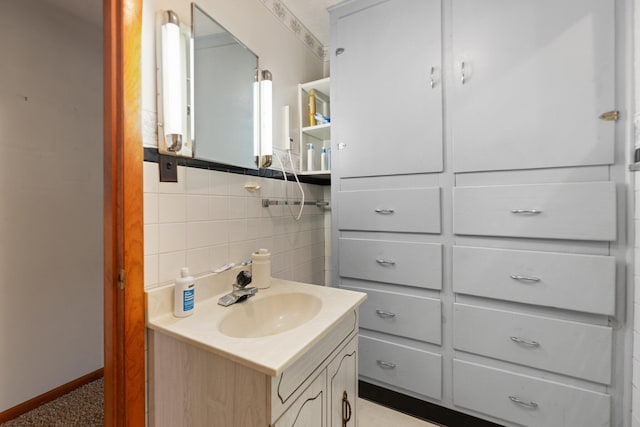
(83, 407)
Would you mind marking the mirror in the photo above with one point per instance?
(224, 75)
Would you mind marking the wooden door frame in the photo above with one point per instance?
(124, 321)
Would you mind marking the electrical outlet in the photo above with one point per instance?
(168, 169)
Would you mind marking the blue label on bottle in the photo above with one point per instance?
(188, 297)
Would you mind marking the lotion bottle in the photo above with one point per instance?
(310, 149)
(184, 294)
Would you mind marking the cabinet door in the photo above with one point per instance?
(386, 93)
(537, 76)
(309, 410)
(342, 377)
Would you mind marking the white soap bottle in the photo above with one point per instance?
(184, 294)
(261, 269)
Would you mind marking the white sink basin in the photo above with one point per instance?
(271, 315)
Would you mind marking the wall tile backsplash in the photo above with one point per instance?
(208, 219)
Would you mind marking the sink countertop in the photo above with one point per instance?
(271, 354)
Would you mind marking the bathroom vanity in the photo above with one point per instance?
(286, 357)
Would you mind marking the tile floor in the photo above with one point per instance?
(374, 415)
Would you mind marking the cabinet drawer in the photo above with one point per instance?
(402, 263)
(578, 211)
(400, 314)
(527, 400)
(415, 210)
(571, 348)
(401, 366)
(569, 281)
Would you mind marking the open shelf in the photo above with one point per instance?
(318, 135)
(321, 132)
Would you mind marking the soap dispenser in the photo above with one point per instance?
(184, 294)
(261, 268)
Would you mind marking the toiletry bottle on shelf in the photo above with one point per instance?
(184, 294)
(310, 150)
(312, 107)
(323, 159)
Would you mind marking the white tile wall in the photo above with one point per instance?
(208, 219)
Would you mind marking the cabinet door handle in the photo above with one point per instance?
(346, 409)
(384, 211)
(385, 261)
(532, 405)
(385, 314)
(525, 342)
(386, 365)
(526, 211)
(432, 81)
(463, 78)
(526, 278)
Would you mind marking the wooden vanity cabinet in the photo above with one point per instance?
(191, 386)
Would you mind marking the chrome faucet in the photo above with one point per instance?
(240, 291)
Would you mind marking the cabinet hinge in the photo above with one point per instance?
(121, 279)
(611, 116)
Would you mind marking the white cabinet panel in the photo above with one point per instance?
(571, 348)
(410, 316)
(342, 386)
(538, 74)
(575, 211)
(387, 112)
(527, 400)
(309, 410)
(569, 281)
(406, 367)
(411, 210)
(402, 263)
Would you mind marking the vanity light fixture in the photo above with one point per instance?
(172, 82)
(263, 119)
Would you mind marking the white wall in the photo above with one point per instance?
(51, 191)
(208, 219)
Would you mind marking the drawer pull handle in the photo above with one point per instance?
(385, 314)
(346, 409)
(526, 211)
(525, 342)
(385, 261)
(527, 278)
(385, 211)
(532, 405)
(386, 365)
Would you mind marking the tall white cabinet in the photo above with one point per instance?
(384, 101)
(478, 192)
(530, 80)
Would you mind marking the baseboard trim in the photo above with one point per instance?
(419, 408)
(31, 404)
